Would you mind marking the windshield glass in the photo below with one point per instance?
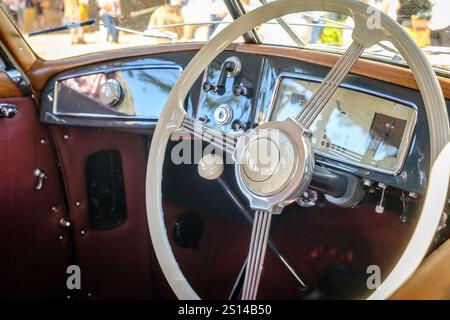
(112, 24)
(426, 21)
(52, 27)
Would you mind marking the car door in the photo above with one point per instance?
(35, 243)
(71, 197)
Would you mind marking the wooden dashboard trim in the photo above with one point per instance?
(42, 70)
(8, 89)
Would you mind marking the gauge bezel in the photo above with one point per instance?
(407, 137)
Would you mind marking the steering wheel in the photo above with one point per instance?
(269, 188)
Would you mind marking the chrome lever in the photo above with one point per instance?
(41, 176)
(7, 110)
(65, 222)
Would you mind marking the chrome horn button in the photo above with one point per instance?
(268, 162)
(274, 164)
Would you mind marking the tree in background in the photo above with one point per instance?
(414, 7)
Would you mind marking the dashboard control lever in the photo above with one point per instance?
(380, 207)
(231, 67)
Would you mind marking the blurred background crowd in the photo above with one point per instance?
(427, 21)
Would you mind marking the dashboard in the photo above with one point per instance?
(370, 128)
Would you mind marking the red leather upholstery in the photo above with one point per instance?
(115, 263)
(33, 260)
(310, 239)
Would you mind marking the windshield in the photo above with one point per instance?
(426, 21)
(52, 27)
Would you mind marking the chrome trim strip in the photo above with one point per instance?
(407, 138)
(107, 70)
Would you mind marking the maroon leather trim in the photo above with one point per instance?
(33, 258)
(115, 263)
(310, 239)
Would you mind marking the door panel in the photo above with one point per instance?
(35, 251)
(116, 263)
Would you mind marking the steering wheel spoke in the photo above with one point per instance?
(218, 138)
(256, 254)
(320, 98)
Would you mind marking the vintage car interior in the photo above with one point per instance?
(97, 169)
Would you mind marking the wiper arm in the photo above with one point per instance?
(67, 26)
(147, 33)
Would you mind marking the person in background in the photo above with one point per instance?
(376, 4)
(218, 12)
(193, 12)
(316, 29)
(72, 15)
(110, 10)
(440, 23)
(41, 5)
(165, 15)
(391, 8)
(83, 7)
(29, 16)
(12, 6)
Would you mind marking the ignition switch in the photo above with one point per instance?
(223, 114)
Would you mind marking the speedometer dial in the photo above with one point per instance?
(354, 127)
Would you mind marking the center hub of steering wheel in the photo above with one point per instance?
(269, 161)
(274, 164)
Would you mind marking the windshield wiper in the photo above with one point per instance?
(76, 25)
(64, 27)
(150, 32)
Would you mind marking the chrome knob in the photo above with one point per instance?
(223, 114)
(40, 176)
(64, 222)
(110, 92)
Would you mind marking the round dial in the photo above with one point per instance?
(110, 92)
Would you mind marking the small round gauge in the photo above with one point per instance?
(110, 92)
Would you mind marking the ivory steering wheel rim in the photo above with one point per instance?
(173, 114)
